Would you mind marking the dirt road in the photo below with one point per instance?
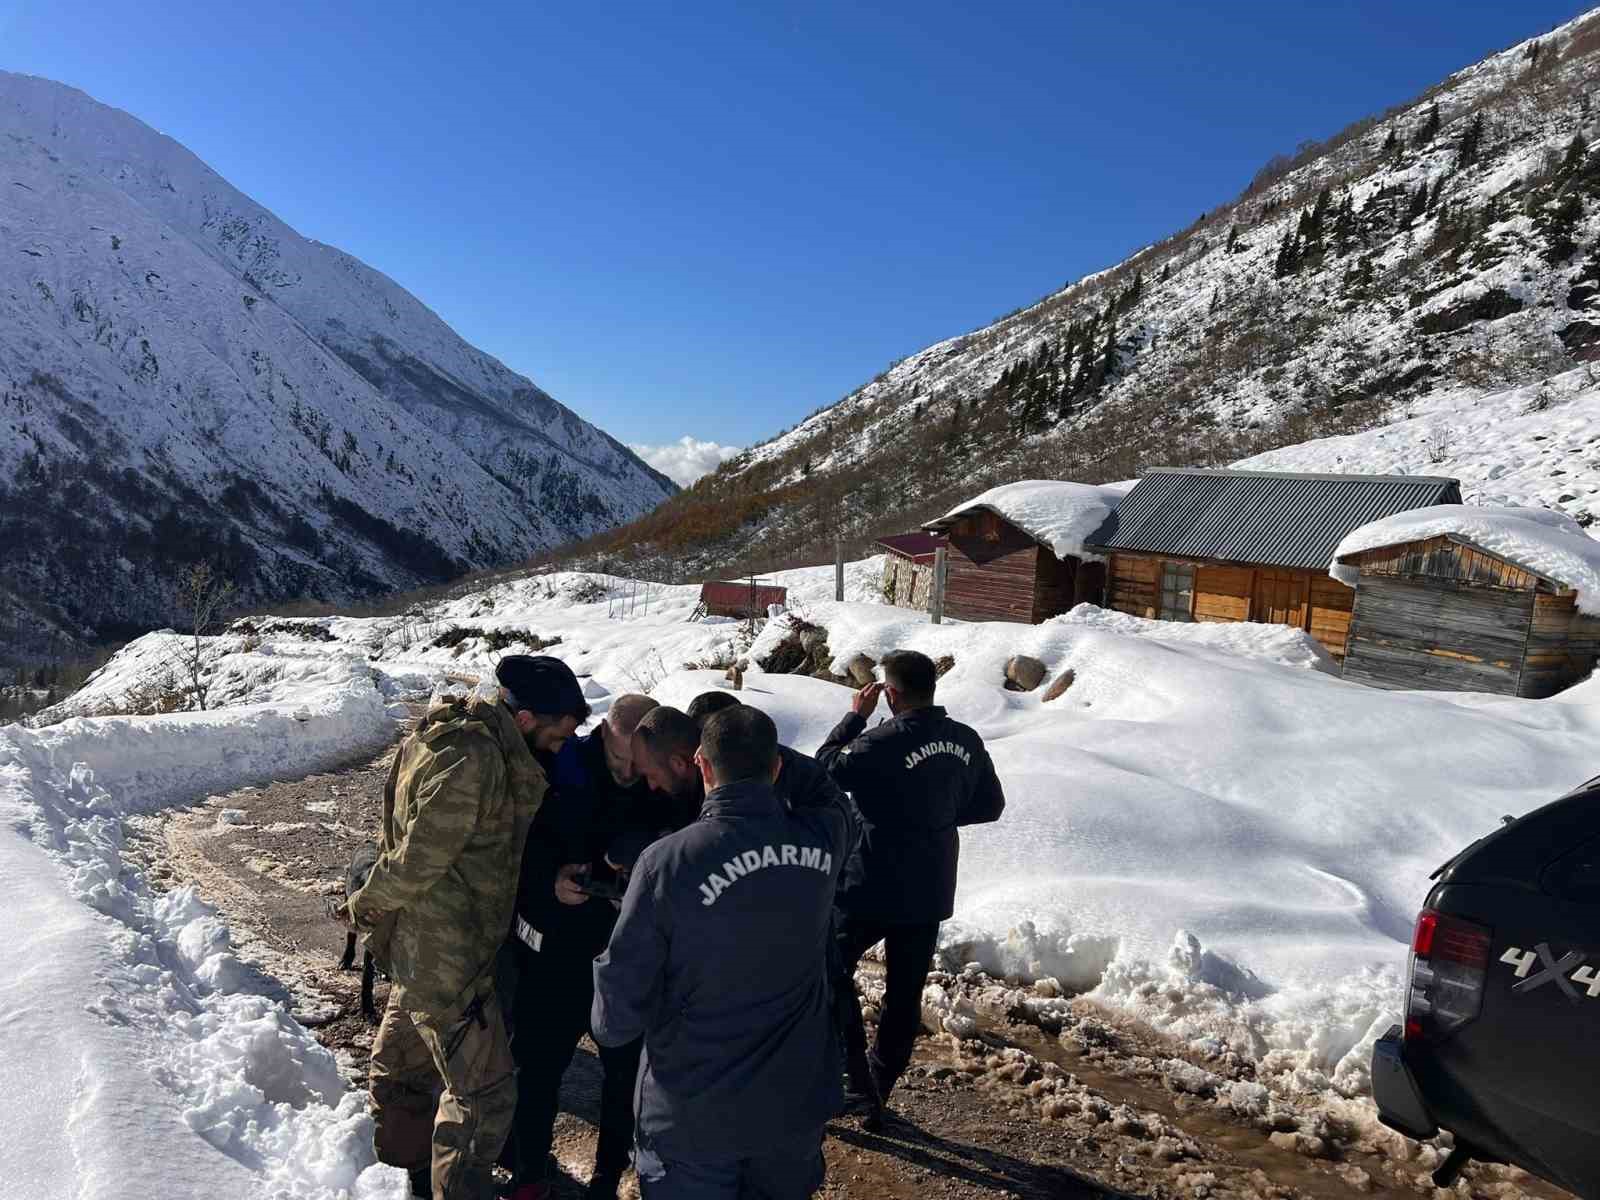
(1082, 1104)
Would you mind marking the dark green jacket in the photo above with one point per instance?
(463, 791)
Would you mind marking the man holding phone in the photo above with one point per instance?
(915, 779)
(566, 908)
(718, 962)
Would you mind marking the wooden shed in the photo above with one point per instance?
(1444, 614)
(1001, 561)
(908, 560)
(744, 600)
(1199, 545)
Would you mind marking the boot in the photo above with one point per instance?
(422, 1182)
(603, 1184)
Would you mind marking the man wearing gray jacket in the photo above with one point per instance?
(718, 959)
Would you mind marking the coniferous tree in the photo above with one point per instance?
(1288, 256)
(956, 432)
(1344, 225)
(1166, 272)
(1561, 229)
(1433, 196)
(1108, 360)
(1572, 161)
(1392, 142)
(1430, 126)
(1233, 239)
(1063, 397)
(1419, 206)
(1471, 142)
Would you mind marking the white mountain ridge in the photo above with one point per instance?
(182, 372)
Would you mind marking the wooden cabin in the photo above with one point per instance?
(1199, 545)
(997, 571)
(1443, 614)
(746, 600)
(908, 560)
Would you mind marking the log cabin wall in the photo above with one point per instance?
(1442, 614)
(1308, 600)
(1562, 646)
(1439, 634)
(991, 570)
(1055, 584)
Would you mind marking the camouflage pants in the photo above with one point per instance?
(444, 1095)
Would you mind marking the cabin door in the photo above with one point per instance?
(1281, 598)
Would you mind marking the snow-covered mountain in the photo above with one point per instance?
(182, 375)
(1438, 257)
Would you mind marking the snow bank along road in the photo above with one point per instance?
(1207, 832)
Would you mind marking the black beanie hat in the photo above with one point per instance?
(541, 685)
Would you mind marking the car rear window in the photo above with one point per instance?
(1576, 876)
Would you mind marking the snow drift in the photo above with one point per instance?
(148, 1059)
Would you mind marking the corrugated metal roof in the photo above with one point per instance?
(915, 546)
(1272, 518)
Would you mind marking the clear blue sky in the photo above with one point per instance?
(710, 219)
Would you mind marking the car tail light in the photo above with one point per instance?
(1449, 962)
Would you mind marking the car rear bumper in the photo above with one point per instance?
(1400, 1104)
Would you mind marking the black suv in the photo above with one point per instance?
(1501, 1043)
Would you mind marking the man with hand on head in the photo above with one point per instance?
(462, 793)
(915, 779)
(595, 797)
(664, 746)
(718, 960)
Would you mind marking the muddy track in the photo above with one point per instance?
(1078, 1106)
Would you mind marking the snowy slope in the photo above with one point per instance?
(181, 373)
(1199, 350)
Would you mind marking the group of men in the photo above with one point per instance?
(681, 887)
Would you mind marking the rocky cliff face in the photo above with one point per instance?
(183, 376)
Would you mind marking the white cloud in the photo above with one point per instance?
(686, 459)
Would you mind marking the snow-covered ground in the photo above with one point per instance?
(143, 1058)
(1536, 445)
(1208, 830)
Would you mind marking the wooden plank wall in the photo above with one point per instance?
(1439, 634)
(1441, 558)
(1329, 619)
(1054, 585)
(1134, 586)
(1310, 600)
(1562, 646)
(991, 570)
(1223, 593)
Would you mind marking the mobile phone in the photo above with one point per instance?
(601, 889)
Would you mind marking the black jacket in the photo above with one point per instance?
(801, 784)
(583, 814)
(914, 779)
(719, 961)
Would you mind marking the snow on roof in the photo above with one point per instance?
(1060, 514)
(1544, 542)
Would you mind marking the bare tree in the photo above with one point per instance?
(202, 593)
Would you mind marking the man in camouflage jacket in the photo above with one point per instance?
(435, 910)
